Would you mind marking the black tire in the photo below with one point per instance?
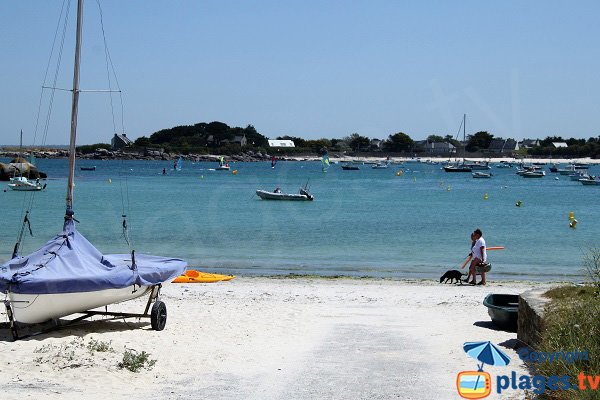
(158, 316)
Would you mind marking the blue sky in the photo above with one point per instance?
(313, 69)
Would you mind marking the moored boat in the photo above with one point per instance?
(589, 181)
(22, 184)
(481, 175)
(277, 194)
(533, 174)
(503, 309)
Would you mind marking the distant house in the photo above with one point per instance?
(120, 141)
(376, 144)
(441, 148)
(281, 143)
(435, 148)
(503, 146)
(558, 145)
(529, 143)
(241, 140)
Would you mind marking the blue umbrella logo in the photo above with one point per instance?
(487, 353)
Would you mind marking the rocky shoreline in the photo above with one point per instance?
(149, 155)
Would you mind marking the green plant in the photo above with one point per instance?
(134, 360)
(591, 263)
(572, 324)
(99, 346)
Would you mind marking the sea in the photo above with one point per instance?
(407, 221)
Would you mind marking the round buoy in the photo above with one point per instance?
(573, 223)
(234, 172)
(571, 215)
(518, 203)
(449, 188)
(109, 180)
(399, 173)
(485, 196)
(201, 176)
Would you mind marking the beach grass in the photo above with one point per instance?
(572, 324)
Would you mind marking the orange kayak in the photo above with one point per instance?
(193, 276)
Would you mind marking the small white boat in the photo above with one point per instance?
(481, 175)
(303, 195)
(23, 184)
(533, 174)
(381, 166)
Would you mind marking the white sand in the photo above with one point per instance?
(265, 338)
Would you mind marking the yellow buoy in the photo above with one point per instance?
(234, 172)
(485, 196)
(399, 173)
(571, 215)
(573, 223)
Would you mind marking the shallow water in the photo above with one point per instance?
(362, 223)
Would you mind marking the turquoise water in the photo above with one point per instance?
(362, 223)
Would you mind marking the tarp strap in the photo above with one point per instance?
(126, 231)
(26, 223)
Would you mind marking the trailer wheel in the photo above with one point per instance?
(158, 316)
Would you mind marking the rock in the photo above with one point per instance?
(532, 306)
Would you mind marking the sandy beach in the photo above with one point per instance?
(267, 338)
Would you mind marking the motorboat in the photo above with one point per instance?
(504, 164)
(350, 167)
(481, 175)
(22, 184)
(277, 194)
(457, 168)
(381, 166)
(589, 181)
(88, 168)
(533, 174)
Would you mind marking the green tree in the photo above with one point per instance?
(478, 141)
(435, 139)
(398, 142)
(357, 142)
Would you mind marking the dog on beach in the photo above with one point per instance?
(452, 275)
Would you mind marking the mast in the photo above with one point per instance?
(74, 108)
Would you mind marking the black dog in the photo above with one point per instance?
(452, 275)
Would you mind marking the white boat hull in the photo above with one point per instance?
(38, 308)
(22, 184)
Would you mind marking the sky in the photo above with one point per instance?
(313, 69)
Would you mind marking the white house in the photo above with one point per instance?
(281, 143)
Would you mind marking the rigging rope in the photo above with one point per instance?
(110, 72)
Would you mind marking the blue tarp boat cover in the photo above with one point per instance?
(69, 263)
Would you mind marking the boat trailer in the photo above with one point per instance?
(157, 315)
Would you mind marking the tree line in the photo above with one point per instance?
(219, 138)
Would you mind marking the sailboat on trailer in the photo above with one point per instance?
(68, 274)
